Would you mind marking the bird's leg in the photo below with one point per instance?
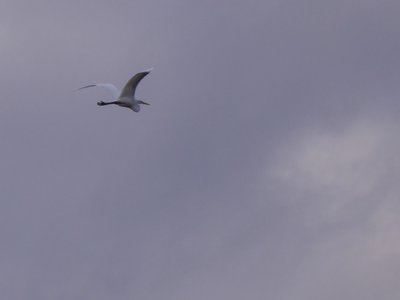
(102, 103)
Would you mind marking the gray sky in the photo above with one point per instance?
(267, 166)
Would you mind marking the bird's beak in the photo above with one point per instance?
(145, 103)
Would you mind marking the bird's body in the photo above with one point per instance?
(126, 97)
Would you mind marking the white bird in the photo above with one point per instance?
(126, 98)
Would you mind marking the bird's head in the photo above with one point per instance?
(142, 102)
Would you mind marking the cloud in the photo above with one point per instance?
(252, 175)
(337, 167)
(341, 187)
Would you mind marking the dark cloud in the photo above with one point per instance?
(265, 167)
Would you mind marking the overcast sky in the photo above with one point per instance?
(266, 167)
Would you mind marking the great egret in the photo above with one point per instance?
(126, 98)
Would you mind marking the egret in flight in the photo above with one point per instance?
(126, 98)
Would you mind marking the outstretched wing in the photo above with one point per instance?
(130, 87)
(108, 86)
